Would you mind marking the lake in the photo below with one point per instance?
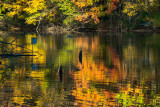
(81, 70)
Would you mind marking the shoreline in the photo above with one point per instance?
(61, 30)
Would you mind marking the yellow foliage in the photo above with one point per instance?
(34, 6)
(131, 9)
(83, 3)
(30, 7)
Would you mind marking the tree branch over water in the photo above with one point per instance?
(40, 17)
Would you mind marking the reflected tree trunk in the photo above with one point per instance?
(159, 6)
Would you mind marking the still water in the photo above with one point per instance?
(83, 70)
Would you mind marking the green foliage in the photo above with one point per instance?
(156, 20)
(127, 100)
(68, 9)
(68, 20)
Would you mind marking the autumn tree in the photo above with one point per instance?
(72, 13)
(67, 11)
(85, 11)
(29, 10)
(91, 10)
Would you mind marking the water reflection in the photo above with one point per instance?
(82, 70)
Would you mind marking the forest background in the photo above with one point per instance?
(123, 15)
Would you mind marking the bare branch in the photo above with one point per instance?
(42, 15)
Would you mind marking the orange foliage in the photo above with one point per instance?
(89, 14)
(85, 17)
(113, 6)
(84, 92)
(90, 72)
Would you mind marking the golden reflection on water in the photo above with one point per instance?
(110, 74)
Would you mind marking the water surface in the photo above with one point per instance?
(81, 70)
